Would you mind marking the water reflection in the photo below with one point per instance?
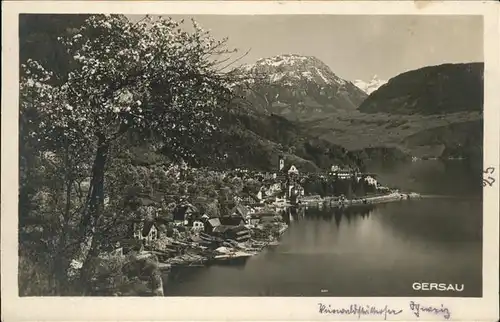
(239, 262)
(360, 251)
(366, 250)
(451, 177)
(337, 213)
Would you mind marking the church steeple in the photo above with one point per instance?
(281, 165)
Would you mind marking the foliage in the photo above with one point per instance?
(146, 76)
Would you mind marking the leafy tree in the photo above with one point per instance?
(150, 78)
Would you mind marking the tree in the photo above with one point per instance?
(150, 78)
(51, 173)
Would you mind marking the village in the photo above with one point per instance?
(185, 232)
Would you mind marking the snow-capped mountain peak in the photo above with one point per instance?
(295, 86)
(370, 86)
(290, 68)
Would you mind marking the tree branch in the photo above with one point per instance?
(236, 60)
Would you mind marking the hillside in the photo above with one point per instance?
(256, 140)
(447, 88)
(324, 106)
(297, 87)
(456, 140)
(356, 130)
(434, 111)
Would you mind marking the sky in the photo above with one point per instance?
(353, 46)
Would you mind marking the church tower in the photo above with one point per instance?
(281, 163)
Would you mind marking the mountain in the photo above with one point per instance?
(296, 87)
(371, 86)
(447, 88)
(434, 111)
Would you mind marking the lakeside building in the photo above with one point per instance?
(288, 177)
(146, 231)
(371, 180)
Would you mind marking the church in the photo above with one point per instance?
(288, 176)
(286, 173)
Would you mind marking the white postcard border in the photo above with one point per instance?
(238, 308)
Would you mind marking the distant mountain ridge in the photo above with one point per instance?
(295, 87)
(370, 86)
(410, 104)
(435, 111)
(447, 88)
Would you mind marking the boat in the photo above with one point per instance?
(274, 243)
(233, 255)
(231, 258)
(235, 259)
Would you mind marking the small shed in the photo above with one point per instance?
(236, 217)
(211, 224)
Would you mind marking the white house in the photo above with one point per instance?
(198, 226)
(147, 232)
(137, 229)
(293, 170)
(371, 181)
(297, 190)
(335, 168)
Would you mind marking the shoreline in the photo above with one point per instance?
(195, 254)
(196, 251)
(336, 202)
(230, 250)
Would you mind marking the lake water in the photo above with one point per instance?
(376, 251)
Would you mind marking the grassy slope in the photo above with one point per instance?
(424, 104)
(356, 130)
